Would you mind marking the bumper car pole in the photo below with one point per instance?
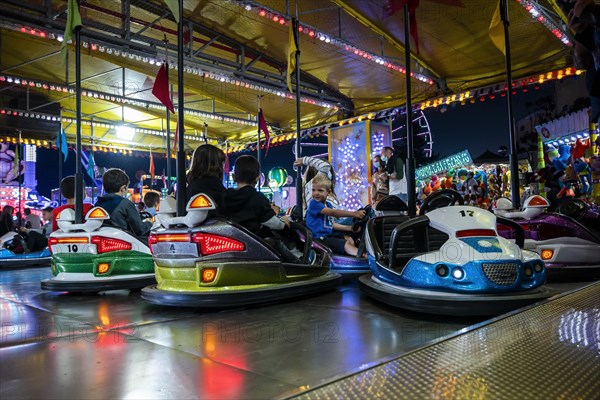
(514, 154)
(410, 143)
(181, 187)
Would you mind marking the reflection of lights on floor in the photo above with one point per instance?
(580, 328)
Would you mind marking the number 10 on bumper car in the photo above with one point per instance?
(93, 257)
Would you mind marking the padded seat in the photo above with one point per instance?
(410, 243)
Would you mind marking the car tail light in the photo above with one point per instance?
(476, 232)
(105, 245)
(103, 268)
(208, 275)
(547, 254)
(65, 240)
(211, 244)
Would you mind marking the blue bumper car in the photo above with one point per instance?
(12, 254)
(451, 261)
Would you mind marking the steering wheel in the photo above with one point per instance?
(442, 198)
(360, 223)
(574, 208)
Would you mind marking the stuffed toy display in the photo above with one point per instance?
(585, 176)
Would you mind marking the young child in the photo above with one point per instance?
(319, 219)
(67, 190)
(315, 168)
(206, 173)
(151, 202)
(252, 209)
(123, 213)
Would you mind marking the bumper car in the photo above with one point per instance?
(215, 263)
(451, 261)
(94, 257)
(12, 253)
(352, 267)
(568, 248)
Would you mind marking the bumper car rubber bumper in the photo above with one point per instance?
(97, 285)
(225, 298)
(446, 303)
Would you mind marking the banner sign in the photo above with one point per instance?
(456, 160)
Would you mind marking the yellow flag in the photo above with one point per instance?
(174, 7)
(73, 21)
(496, 30)
(292, 53)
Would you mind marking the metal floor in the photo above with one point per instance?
(551, 351)
(115, 345)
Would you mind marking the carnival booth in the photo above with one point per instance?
(570, 151)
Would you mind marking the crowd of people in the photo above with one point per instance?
(244, 204)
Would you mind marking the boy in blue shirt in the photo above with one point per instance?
(319, 219)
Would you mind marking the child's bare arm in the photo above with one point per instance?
(340, 227)
(342, 213)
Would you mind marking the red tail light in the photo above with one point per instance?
(475, 232)
(212, 244)
(105, 245)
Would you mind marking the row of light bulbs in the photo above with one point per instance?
(326, 38)
(121, 99)
(221, 77)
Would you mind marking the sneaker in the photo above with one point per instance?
(312, 257)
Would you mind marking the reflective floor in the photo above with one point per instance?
(115, 345)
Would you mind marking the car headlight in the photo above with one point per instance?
(458, 273)
(538, 267)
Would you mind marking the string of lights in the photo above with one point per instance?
(222, 77)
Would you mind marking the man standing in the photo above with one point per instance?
(397, 173)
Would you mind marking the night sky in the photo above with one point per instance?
(479, 126)
(476, 127)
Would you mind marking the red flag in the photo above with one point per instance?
(262, 126)
(164, 179)
(176, 139)
(393, 6)
(151, 168)
(161, 88)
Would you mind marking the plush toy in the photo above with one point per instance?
(461, 178)
(559, 157)
(435, 183)
(585, 176)
(482, 177)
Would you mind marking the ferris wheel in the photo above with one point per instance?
(421, 132)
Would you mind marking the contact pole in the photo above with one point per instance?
(299, 193)
(410, 144)
(181, 188)
(78, 175)
(514, 153)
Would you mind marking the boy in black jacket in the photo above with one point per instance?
(252, 209)
(123, 213)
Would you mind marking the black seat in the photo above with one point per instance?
(391, 203)
(411, 237)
